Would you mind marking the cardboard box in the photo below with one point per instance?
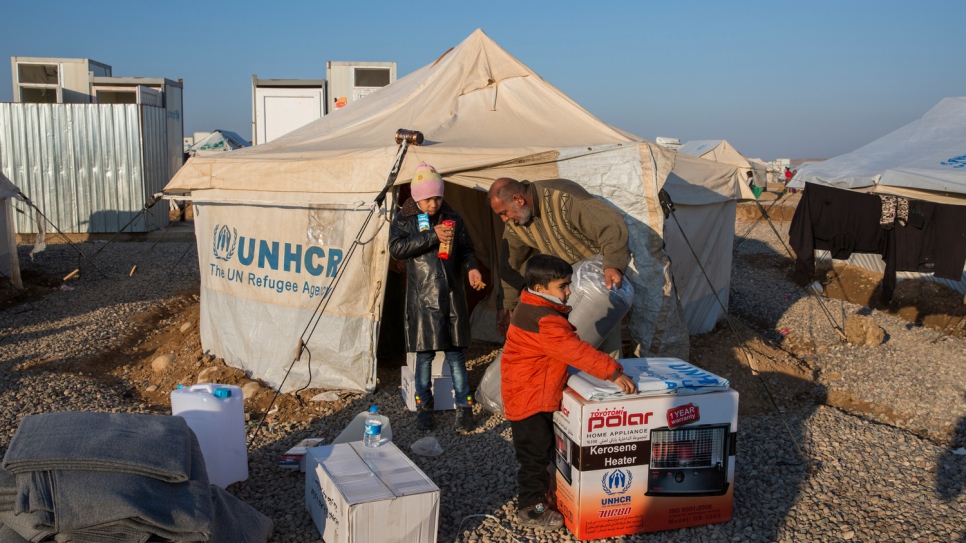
(645, 464)
(357, 494)
(294, 458)
(439, 365)
(444, 396)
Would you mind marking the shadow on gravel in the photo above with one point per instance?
(951, 469)
(918, 301)
(774, 407)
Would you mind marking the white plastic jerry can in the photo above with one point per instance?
(216, 414)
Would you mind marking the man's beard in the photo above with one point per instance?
(525, 215)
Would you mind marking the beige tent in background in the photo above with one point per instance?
(274, 221)
(722, 151)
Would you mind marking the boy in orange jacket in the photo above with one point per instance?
(540, 344)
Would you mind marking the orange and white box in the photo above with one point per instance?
(645, 464)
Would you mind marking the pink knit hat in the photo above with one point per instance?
(426, 183)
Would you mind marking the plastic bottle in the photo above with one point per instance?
(445, 248)
(373, 429)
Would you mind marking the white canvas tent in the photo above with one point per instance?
(9, 263)
(705, 195)
(925, 160)
(218, 141)
(273, 221)
(722, 151)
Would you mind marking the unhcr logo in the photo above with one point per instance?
(617, 481)
(239, 254)
(224, 242)
(955, 162)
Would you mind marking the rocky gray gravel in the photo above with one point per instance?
(862, 478)
(912, 380)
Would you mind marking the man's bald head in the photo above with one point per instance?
(504, 188)
(510, 199)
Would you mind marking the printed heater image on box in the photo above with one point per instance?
(691, 461)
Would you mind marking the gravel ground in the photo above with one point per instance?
(909, 381)
(859, 480)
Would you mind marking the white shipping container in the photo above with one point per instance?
(280, 106)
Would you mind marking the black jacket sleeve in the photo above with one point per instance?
(465, 247)
(405, 243)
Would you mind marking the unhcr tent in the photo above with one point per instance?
(705, 196)
(924, 160)
(273, 222)
(9, 264)
(218, 141)
(722, 151)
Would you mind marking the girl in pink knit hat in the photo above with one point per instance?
(437, 317)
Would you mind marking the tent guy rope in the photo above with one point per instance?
(404, 138)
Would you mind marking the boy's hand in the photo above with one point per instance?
(444, 233)
(476, 280)
(626, 384)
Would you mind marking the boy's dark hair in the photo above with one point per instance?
(541, 269)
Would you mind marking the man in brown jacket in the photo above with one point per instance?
(560, 218)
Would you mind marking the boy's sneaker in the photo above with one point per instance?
(464, 419)
(424, 419)
(540, 517)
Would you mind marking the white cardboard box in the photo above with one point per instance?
(439, 365)
(357, 494)
(645, 464)
(444, 396)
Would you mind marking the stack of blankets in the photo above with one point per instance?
(116, 478)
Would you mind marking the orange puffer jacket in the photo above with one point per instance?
(540, 344)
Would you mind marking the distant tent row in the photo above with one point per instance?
(924, 160)
(218, 141)
(722, 151)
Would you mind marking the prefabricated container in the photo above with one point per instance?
(216, 414)
(280, 106)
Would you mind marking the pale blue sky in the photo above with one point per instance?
(776, 79)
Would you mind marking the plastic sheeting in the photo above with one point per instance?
(596, 311)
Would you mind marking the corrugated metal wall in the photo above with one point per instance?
(89, 167)
(156, 165)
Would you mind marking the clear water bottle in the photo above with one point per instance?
(373, 431)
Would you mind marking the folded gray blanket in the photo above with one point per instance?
(235, 521)
(150, 445)
(8, 490)
(9, 535)
(75, 501)
(29, 527)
